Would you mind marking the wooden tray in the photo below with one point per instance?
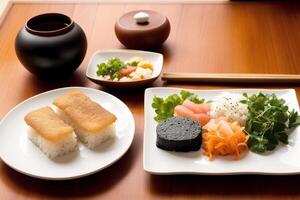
(239, 37)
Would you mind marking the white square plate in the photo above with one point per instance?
(283, 160)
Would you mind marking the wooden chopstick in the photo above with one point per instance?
(231, 77)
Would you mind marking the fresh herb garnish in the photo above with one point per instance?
(132, 63)
(111, 68)
(164, 108)
(269, 121)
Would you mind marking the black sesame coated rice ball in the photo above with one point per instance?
(179, 134)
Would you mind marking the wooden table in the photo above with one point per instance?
(257, 37)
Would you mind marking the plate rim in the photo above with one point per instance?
(74, 176)
(148, 169)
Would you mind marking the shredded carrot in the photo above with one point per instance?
(223, 138)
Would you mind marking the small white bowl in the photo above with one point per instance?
(156, 59)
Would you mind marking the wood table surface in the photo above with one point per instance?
(256, 37)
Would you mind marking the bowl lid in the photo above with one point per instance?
(141, 20)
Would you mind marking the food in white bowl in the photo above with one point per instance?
(144, 61)
(115, 69)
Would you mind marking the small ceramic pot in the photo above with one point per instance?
(150, 33)
(51, 45)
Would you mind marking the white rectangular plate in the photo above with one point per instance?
(285, 159)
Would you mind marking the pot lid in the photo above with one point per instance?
(141, 20)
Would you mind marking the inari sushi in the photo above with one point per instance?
(50, 133)
(92, 123)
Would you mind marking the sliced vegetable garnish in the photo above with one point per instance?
(223, 138)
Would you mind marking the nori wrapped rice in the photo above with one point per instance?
(179, 134)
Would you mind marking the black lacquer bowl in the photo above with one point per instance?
(51, 45)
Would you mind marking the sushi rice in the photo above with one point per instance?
(53, 149)
(228, 106)
(91, 140)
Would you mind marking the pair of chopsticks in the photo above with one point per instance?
(231, 77)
